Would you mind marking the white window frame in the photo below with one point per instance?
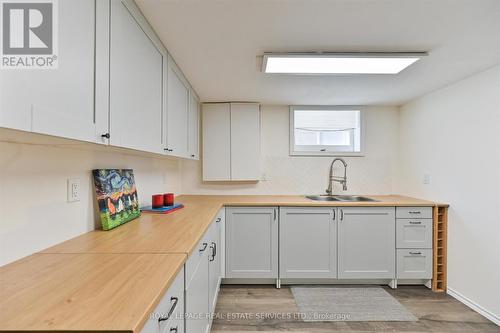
(317, 151)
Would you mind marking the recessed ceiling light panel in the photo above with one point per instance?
(338, 63)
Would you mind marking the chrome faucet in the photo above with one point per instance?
(332, 178)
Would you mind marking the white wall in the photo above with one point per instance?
(34, 213)
(371, 174)
(453, 135)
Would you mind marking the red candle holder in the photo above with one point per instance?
(157, 201)
(168, 199)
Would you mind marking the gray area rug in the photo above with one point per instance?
(349, 304)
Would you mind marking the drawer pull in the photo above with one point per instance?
(415, 222)
(415, 212)
(174, 329)
(213, 247)
(172, 309)
(415, 253)
(204, 247)
(218, 220)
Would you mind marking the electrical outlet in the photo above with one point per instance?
(73, 189)
(426, 179)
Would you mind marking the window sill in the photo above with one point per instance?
(326, 154)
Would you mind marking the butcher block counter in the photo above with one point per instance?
(112, 280)
(84, 292)
(181, 231)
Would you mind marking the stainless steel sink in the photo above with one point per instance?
(342, 198)
(322, 198)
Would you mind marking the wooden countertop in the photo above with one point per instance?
(112, 280)
(84, 292)
(181, 231)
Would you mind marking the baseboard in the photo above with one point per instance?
(479, 309)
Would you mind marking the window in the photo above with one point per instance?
(325, 130)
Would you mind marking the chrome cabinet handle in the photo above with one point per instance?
(204, 247)
(414, 212)
(415, 222)
(341, 215)
(213, 247)
(218, 220)
(172, 309)
(174, 329)
(334, 214)
(274, 212)
(415, 252)
(106, 135)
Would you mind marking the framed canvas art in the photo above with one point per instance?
(116, 196)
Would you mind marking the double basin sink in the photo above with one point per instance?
(342, 198)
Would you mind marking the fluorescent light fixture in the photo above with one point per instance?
(338, 63)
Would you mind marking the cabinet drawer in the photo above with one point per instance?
(172, 301)
(414, 264)
(414, 212)
(414, 233)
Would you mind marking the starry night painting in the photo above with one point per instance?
(116, 196)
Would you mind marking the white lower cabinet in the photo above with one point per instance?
(168, 315)
(197, 286)
(214, 262)
(414, 243)
(252, 242)
(308, 242)
(366, 243)
(414, 263)
(203, 276)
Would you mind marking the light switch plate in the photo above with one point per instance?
(73, 189)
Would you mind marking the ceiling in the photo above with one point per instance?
(218, 44)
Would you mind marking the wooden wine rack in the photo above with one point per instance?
(440, 235)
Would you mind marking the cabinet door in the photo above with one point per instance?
(194, 127)
(366, 242)
(214, 263)
(197, 298)
(177, 112)
(135, 84)
(308, 242)
(58, 101)
(252, 242)
(245, 141)
(216, 142)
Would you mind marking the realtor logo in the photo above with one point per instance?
(29, 34)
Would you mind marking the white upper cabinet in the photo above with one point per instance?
(245, 141)
(177, 112)
(231, 142)
(136, 83)
(115, 84)
(216, 120)
(60, 101)
(194, 127)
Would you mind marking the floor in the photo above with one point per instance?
(244, 308)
